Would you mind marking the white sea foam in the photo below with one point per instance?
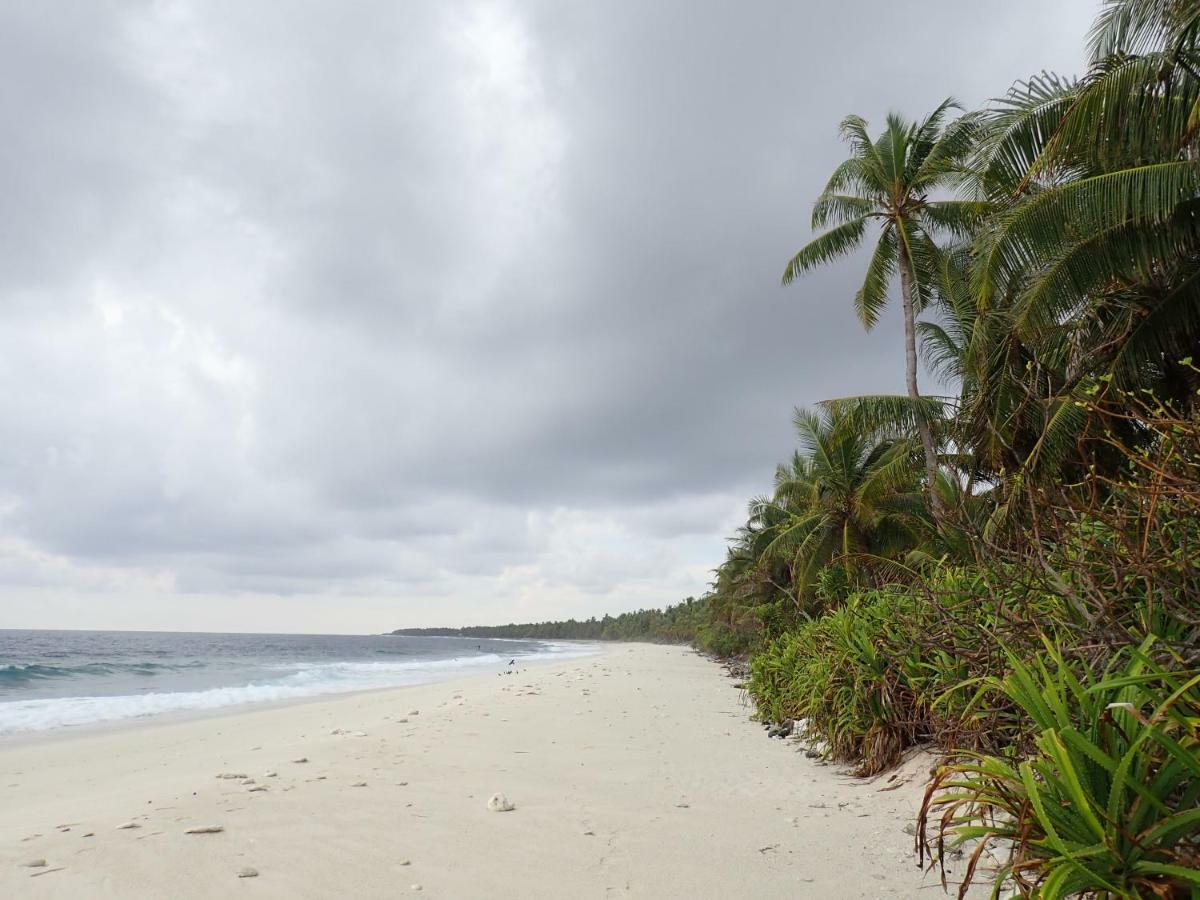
(23, 716)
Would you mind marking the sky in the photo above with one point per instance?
(344, 317)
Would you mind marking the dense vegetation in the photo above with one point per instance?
(676, 624)
(1009, 572)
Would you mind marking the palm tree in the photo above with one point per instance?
(849, 493)
(894, 182)
(1100, 228)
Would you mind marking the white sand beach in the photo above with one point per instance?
(635, 773)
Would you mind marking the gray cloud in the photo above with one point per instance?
(348, 318)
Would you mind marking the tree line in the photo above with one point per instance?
(675, 624)
(1009, 571)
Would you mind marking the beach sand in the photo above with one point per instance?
(635, 773)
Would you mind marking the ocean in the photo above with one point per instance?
(59, 679)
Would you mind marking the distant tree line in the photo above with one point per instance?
(674, 625)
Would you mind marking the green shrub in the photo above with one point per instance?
(1107, 804)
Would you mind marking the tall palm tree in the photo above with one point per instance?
(897, 182)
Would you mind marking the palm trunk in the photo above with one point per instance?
(910, 358)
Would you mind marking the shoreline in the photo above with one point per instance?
(71, 732)
(635, 772)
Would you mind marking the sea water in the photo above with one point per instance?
(56, 679)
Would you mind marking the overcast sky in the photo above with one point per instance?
(351, 316)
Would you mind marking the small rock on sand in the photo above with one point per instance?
(271, 774)
(247, 781)
(359, 784)
(300, 759)
(205, 829)
(414, 712)
(417, 887)
(248, 872)
(257, 788)
(406, 862)
(127, 825)
(500, 803)
(35, 864)
(232, 775)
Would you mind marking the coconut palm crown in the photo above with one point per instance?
(895, 188)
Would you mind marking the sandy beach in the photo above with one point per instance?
(634, 773)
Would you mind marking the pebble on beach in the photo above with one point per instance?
(300, 759)
(205, 829)
(248, 872)
(126, 825)
(500, 803)
(35, 864)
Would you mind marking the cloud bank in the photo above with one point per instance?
(342, 318)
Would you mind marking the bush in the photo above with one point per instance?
(1106, 805)
(863, 677)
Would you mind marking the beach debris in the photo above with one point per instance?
(359, 784)
(271, 774)
(35, 864)
(231, 776)
(402, 720)
(247, 872)
(406, 862)
(205, 829)
(89, 834)
(124, 826)
(417, 887)
(359, 734)
(500, 803)
(781, 729)
(414, 712)
(247, 781)
(257, 788)
(46, 871)
(300, 759)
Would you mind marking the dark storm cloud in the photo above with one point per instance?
(473, 304)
